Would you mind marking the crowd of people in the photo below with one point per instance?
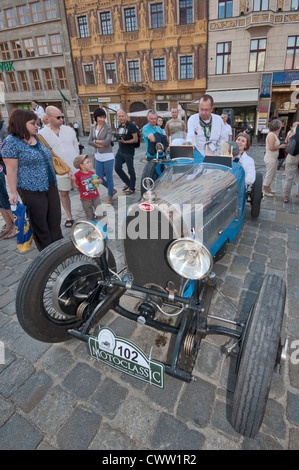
(31, 137)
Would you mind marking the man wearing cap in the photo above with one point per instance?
(205, 129)
(63, 141)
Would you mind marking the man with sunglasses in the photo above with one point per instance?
(63, 141)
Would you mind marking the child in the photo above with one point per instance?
(83, 180)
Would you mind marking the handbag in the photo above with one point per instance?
(24, 232)
(60, 167)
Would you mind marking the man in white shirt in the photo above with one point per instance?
(63, 141)
(206, 130)
(38, 110)
(227, 127)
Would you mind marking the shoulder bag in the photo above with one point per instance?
(60, 167)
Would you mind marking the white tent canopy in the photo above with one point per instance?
(145, 111)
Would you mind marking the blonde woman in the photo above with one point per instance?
(271, 156)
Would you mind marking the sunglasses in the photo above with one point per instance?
(59, 117)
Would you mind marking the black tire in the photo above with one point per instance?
(59, 266)
(258, 357)
(149, 171)
(256, 195)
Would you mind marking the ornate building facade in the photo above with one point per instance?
(137, 55)
(253, 60)
(35, 57)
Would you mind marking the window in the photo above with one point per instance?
(106, 25)
(35, 80)
(292, 56)
(24, 81)
(16, 49)
(186, 11)
(223, 58)
(42, 47)
(134, 71)
(23, 14)
(11, 20)
(2, 84)
(159, 69)
(62, 82)
(55, 43)
(225, 9)
(12, 81)
(29, 47)
(2, 24)
(260, 5)
(89, 74)
(48, 79)
(186, 67)
(110, 72)
(257, 55)
(295, 5)
(50, 9)
(130, 19)
(4, 51)
(83, 27)
(157, 20)
(36, 12)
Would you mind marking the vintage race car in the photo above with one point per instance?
(171, 239)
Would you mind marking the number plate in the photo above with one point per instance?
(125, 356)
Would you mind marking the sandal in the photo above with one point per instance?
(286, 199)
(125, 187)
(5, 232)
(10, 234)
(130, 191)
(69, 223)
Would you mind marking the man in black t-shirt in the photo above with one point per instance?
(127, 137)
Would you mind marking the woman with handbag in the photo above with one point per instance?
(9, 230)
(271, 156)
(292, 165)
(100, 138)
(30, 173)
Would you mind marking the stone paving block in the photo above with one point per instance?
(19, 434)
(57, 360)
(14, 376)
(29, 348)
(167, 397)
(79, 429)
(52, 411)
(293, 408)
(7, 409)
(196, 402)
(108, 397)
(33, 390)
(172, 434)
(111, 439)
(136, 418)
(273, 422)
(82, 381)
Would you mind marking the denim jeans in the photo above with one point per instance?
(120, 159)
(105, 171)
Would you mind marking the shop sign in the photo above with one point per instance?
(6, 67)
(266, 84)
(101, 99)
(285, 78)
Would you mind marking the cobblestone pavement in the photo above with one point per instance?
(58, 397)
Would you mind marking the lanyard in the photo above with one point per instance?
(207, 128)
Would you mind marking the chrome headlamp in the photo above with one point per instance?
(189, 258)
(89, 238)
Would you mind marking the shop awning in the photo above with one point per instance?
(145, 111)
(230, 98)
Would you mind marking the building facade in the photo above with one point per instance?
(35, 56)
(137, 55)
(253, 60)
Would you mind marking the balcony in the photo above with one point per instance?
(255, 19)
